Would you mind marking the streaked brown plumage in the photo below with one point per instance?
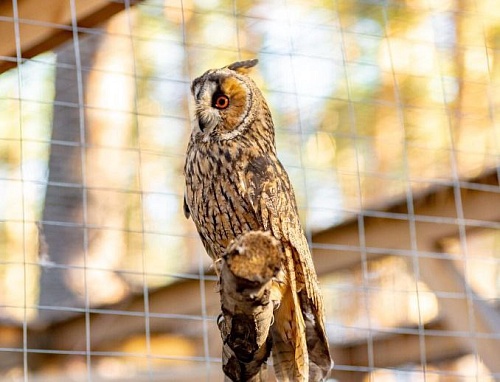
(235, 183)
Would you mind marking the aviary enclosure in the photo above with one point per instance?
(388, 123)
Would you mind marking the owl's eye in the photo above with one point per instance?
(221, 101)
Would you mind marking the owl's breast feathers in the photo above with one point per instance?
(213, 195)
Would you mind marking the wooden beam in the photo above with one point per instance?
(42, 28)
(387, 230)
(392, 233)
(169, 309)
(392, 350)
(476, 320)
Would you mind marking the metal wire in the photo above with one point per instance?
(199, 326)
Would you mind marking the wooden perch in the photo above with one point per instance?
(248, 267)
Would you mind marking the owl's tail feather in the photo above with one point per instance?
(290, 356)
(320, 362)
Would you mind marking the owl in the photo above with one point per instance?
(235, 184)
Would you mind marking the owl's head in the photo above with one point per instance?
(227, 100)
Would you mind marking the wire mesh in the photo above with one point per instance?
(386, 120)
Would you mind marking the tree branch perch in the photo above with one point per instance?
(248, 267)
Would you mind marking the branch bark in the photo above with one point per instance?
(248, 267)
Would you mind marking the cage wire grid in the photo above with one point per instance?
(395, 168)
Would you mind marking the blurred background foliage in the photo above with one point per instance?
(373, 101)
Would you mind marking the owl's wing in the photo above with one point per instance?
(272, 198)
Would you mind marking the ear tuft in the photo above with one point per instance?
(243, 67)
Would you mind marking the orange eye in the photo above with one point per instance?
(221, 101)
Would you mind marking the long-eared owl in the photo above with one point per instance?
(234, 184)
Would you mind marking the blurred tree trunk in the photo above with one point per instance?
(63, 211)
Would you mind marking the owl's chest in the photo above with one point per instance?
(216, 197)
(207, 164)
